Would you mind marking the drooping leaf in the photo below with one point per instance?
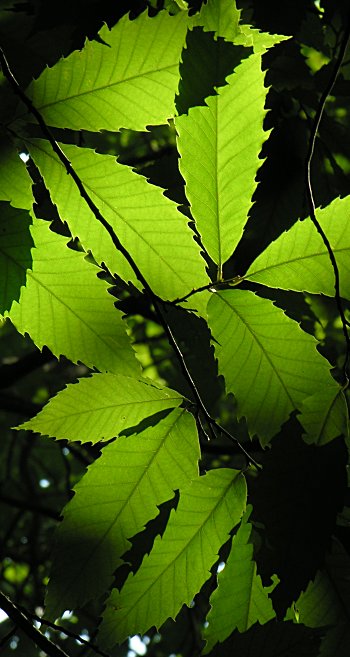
(324, 415)
(297, 497)
(66, 307)
(219, 147)
(326, 603)
(275, 639)
(179, 562)
(15, 182)
(268, 362)
(100, 407)
(298, 259)
(147, 223)
(15, 254)
(128, 81)
(113, 501)
(240, 599)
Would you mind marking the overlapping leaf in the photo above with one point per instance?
(240, 599)
(223, 19)
(100, 407)
(324, 415)
(113, 502)
(15, 182)
(128, 81)
(68, 308)
(180, 561)
(15, 253)
(219, 147)
(219, 17)
(326, 602)
(147, 223)
(298, 259)
(268, 362)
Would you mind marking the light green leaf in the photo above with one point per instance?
(324, 415)
(15, 182)
(268, 362)
(130, 82)
(221, 17)
(298, 259)
(113, 501)
(100, 407)
(219, 147)
(68, 308)
(259, 41)
(179, 562)
(240, 599)
(147, 223)
(15, 252)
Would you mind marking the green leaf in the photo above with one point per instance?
(147, 223)
(268, 362)
(68, 308)
(113, 501)
(100, 407)
(326, 602)
(298, 259)
(221, 17)
(15, 182)
(324, 415)
(259, 41)
(179, 562)
(219, 147)
(128, 81)
(240, 599)
(15, 254)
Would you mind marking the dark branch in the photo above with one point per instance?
(10, 373)
(30, 506)
(310, 197)
(158, 303)
(19, 619)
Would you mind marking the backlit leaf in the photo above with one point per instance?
(147, 223)
(100, 407)
(128, 81)
(66, 307)
(240, 599)
(119, 494)
(219, 147)
(179, 562)
(298, 259)
(268, 362)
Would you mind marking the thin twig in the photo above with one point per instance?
(72, 635)
(310, 196)
(22, 622)
(158, 303)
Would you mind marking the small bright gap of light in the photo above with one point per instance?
(67, 614)
(44, 483)
(3, 616)
(24, 157)
(137, 645)
(85, 635)
(221, 566)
